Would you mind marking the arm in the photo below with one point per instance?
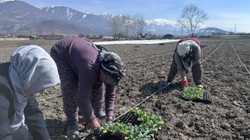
(110, 101)
(196, 52)
(5, 133)
(181, 69)
(84, 100)
(35, 121)
(87, 77)
(83, 57)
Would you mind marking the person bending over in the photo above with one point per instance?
(87, 71)
(30, 70)
(186, 57)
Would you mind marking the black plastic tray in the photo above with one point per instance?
(129, 118)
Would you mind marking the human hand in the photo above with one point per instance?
(109, 119)
(94, 124)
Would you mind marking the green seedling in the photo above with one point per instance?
(192, 93)
(150, 124)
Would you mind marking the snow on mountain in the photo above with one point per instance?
(2, 1)
(211, 30)
(162, 26)
(16, 15)
(162, 22)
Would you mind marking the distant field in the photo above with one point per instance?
(6, 47)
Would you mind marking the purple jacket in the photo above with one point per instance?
(82, 57)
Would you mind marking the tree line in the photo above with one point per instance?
(126, 26)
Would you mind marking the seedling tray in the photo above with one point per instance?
(196, 94)
(129, 118)
(135, 124)
(110, 136)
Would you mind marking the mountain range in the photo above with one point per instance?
(22, 18)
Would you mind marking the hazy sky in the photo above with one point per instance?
(224, 14)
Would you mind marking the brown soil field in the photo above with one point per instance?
(226, 65)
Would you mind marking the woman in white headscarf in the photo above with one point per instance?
(30, 70)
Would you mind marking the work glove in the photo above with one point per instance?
(185, 83)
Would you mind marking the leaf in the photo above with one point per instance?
(150, 125)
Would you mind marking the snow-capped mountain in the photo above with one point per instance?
(95, 23)
(162, 26)
(212, 31)
(2, 1)
(162, 22)
(20, 17)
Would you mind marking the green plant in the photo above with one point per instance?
(192, 93)
(150, 124)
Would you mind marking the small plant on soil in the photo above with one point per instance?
(149, 125)
(192, 93)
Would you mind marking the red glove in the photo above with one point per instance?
(185, 83)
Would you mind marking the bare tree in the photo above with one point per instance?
(191, 17)
(137, 26)
(119, 26)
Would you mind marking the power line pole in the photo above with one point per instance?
(234, 28)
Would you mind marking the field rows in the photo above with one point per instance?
(147, 69)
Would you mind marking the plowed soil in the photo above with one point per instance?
(226, 65)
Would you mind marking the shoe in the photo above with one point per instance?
(72, 128)
(100, 114)
(199, 86)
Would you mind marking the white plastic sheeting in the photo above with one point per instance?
(136, 42)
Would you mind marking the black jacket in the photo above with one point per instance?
(33, 115)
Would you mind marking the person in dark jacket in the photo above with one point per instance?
(35, 121)
(30, 70)
(186, 57)
(87, 71)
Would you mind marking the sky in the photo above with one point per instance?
(230, 15)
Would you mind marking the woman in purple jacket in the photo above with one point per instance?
(86, 72)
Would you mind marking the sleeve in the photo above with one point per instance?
(110, 99)
(87, 78)
(84, 57)
(35, 121)
(180, 68)
(5, 133)
(197, 53)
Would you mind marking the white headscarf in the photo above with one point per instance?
(31, 70)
